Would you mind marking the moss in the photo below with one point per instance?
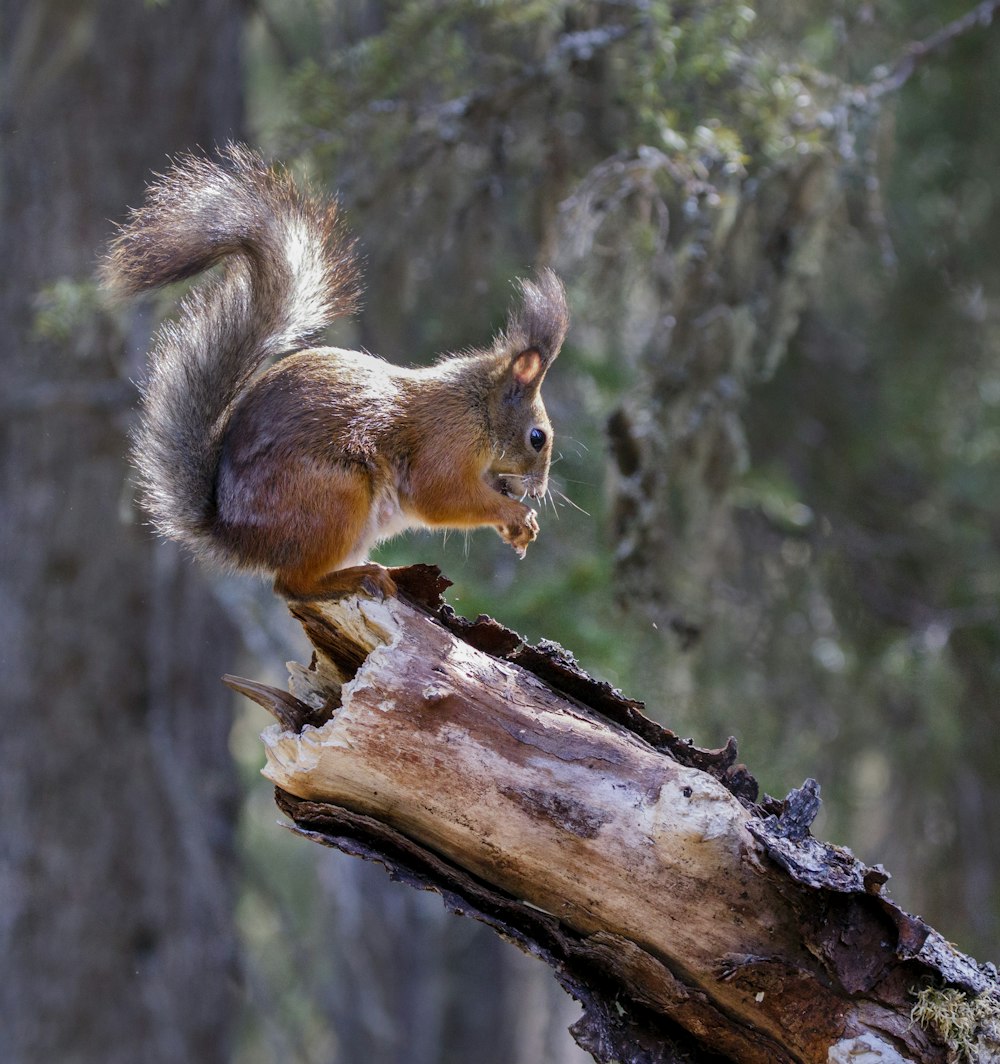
(970, 1026)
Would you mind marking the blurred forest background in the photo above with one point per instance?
(777, 417)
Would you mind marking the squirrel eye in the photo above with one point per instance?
(537, 439)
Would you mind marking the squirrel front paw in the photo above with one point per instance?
(521, 532)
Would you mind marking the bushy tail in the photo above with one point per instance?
(290, 271)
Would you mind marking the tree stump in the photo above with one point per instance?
(694, 919)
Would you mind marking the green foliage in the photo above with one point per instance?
(701, 85)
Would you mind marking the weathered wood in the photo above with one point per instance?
(694, 922)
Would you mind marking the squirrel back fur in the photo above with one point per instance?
(290, 271)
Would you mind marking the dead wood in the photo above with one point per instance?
(694, 919)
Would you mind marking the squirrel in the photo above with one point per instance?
(298, 470)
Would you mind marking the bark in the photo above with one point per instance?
(117, 790)
(695, 920)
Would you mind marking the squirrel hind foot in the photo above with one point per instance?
(370, 579)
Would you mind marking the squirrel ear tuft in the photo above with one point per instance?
(527, 368)
(538, 321)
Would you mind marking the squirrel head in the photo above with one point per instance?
(520, 431)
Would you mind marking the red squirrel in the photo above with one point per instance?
(299, 470)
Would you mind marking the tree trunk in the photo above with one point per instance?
(723, 308)
(117, 790)
(694, 922)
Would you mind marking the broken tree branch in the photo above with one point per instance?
(694, 921)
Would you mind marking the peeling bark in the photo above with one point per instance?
(693, 919)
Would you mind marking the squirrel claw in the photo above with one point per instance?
(377, 581)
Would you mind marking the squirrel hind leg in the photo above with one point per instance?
(336, 502)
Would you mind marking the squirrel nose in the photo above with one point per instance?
(536, 483)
